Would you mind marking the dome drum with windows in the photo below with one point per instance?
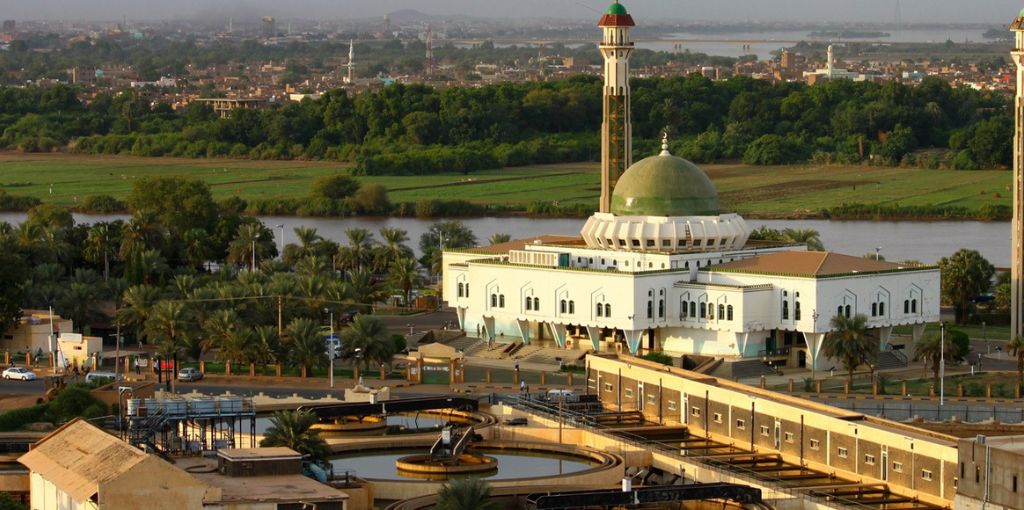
(665, 203)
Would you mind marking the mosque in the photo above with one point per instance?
(660, 267)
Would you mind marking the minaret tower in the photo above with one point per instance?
(430, 50)
(1017, 226)
(351, 61)
(617, 127)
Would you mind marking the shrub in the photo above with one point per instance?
(658, 357)
(101, 204)
(15, 419)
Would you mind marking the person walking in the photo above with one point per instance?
(138, 370)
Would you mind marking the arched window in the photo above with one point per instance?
(785, 310)
(461, 286)
(572, 307)
(661, 308)
(562, 306)
(529, 304)
(494, 300)
(729, 311)
(536, 304)
(913, 306)
(881, 309)
(501, 301)
(703, 310)
(839, 310)
(607, 310)
(847, 311)
(600, 310)
(693, 309)
(796, 310)
(906, 306)
(650, 309)
(685, 309)
(721, 312)
(874, 309)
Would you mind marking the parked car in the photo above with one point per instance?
(106, 377)
(189, 374)
(20, 373)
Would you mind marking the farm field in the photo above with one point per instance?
(765, 192)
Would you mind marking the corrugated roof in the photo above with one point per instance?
(807, 263)
(78, 457)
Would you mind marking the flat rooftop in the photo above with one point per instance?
(1006, 443)
(259, 489)
(268, 453)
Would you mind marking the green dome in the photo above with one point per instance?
(616, 8)
(664, 185)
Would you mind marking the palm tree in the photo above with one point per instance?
(405, 275)
(137, 306)
(266, 346)
(308, 241)
(932, 351)
(499, 238)
(394, 243)
(294, 429)
(808, 236)
(216, 327)
(99, 247)
(848, 342)
(306, 344)
(1016, 347)
(167, 326)
(197, 247)
(465, 494)
(240, 249)
(357, 253)
(367, 340)
(80, 303)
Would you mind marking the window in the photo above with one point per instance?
(536, 303)
(881, 309)
(607, 310)
(685, 311)
(729, 312)
(529, 303)
(843, 452)
(671, 405)
(461, 286)
(703, 310)
(740, 424)
(721, 312)
(897, 467)
(839, 310)
(1014, 486)
(572, 306)
(874, 309)
(628, 392)
(785, 310)
(562, 306)
(847, 311)
(695, 411)
(765, 431)
(494, 300)
(815, 444)
(906, 306)
(869, 459)
(652, 399)
(501, 301)
(796, 310)
(718, 417)
(650, 309)
(711, 312)
(661, 308)
(693, 309)
(789, 437)
(608, 387)
(926, 475)
(913, 306)
(600, 310)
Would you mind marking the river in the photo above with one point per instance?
(898, 240)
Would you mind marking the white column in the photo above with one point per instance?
(633, 340)
(524, 330)
(814, 341)
(558, 332)
(595, 337)
(884, 333)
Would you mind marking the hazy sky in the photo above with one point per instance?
(999, 11)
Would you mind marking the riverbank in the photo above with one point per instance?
(544, 191)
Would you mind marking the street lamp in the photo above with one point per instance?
(877, 251)
(280, 240)
(332, 349)
(942, 363)
(254, 238)
(814, 350)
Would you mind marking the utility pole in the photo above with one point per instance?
(942, 364)
(280, 316)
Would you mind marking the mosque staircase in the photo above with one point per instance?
(890, 360)
(743, 369)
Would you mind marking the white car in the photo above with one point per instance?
(21, 373)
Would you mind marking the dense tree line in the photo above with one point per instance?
(194, 276)
(416, 129)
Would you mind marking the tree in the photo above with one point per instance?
(306, 344)
(499, 239)
(450, 234)
(167, 326)
(393, 244)
(334, 187)
(848, 342)
(808, 236)
(404, 275)
(965, 275)
(137, 306)
(294, 429)
(1016, 348)
(367, 340)
(932, 349)
(465, 494)
(176, 203)
(357, 254)
(251, 234)
(99, 247)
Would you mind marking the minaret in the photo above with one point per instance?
(351, 59)
(1017, 226)
(430, 50)
(617, 128)
(830, 64)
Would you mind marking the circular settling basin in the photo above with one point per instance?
(495, 463)
(411, 423)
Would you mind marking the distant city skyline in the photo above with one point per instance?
(912, 11)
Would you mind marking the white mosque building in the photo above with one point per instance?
(666, 270)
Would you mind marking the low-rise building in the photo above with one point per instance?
(991, 473)
(32, 331)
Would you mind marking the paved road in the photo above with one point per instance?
(21, 387)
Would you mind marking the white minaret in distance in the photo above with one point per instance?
(1017, 226)
(617, 127)
(830, 65)
(351, 60)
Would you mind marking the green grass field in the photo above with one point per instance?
(785, 191)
